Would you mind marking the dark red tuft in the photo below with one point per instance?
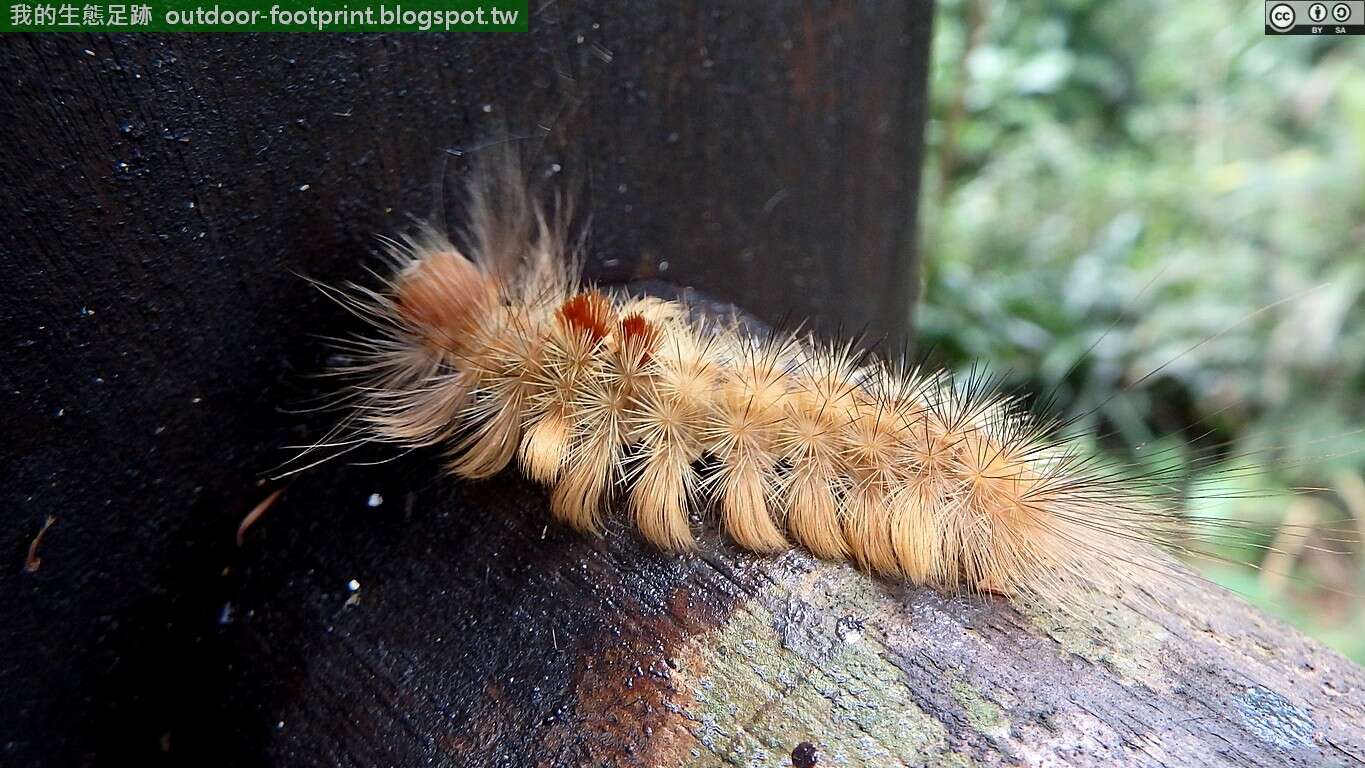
(588, 313)
(639, 335)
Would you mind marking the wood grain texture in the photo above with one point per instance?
(482, 634)
(161, 192)
(392, 615)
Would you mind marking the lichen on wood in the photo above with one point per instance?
(488, 638)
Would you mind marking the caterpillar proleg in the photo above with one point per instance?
(498, 352)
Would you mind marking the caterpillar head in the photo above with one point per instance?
(442, 295)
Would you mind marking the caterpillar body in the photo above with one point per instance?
(500, 353)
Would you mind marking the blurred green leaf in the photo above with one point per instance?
(1118, 196)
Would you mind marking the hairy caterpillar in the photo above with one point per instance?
(499, 353)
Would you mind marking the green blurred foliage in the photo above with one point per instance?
(1157, 200)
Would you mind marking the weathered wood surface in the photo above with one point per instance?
(160, 193)
(391, 615)
(482, 634)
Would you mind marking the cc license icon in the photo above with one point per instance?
(1281, 17)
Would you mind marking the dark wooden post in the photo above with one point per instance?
(160, 193)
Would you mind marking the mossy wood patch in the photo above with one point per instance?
(483, 634)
